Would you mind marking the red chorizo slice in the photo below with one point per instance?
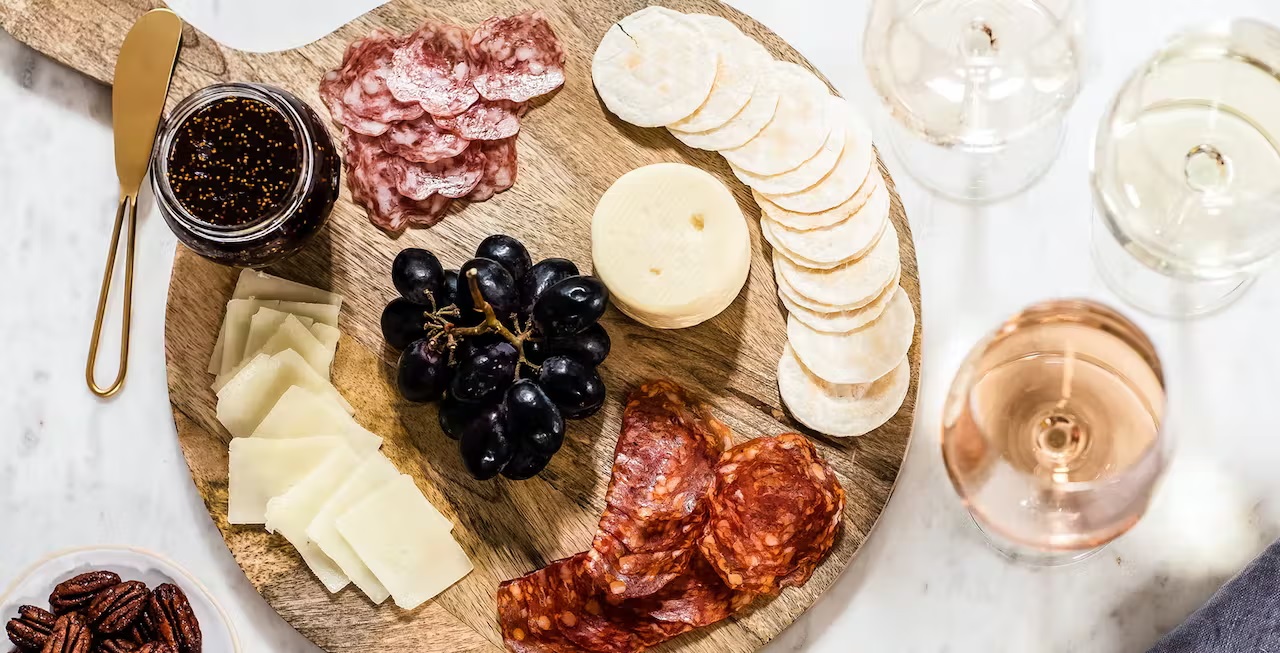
(356, 92)
(500, 169)
(485, 121)
(371, 175)
(695, 599)
(433, 69)
(422, 141)
(663, 474)
(452, 177)
(517, 57)
(774, 515)
(518, 632)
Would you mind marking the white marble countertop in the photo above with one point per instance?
(78, 471)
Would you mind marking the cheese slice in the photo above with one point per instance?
(290, 334)
(328, 337)
(239, 318)
(301, 413)
(264, 324)
(247, 398)
(290, 513)
(669, 241)
(261, 468)
(374, 472)
(253, 284)
(397, 533)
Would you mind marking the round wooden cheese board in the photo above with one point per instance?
(571, 150)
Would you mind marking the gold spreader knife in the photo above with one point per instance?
(140, 87)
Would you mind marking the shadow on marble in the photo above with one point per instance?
(67, 89)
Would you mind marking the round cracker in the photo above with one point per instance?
(798, 129)
(810, 172)
(841, 410)
(809, 221)
(840, 321)
(746, 124)
(785, 289)
(844, 181)
(654, 67)
(851, 284)
(741, 61)
(860, 356)
(830, 247)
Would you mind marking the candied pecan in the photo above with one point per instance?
(141, 632)
(117, 607)
(80, 591)
(30, 629)
(170, 616)
(157, 647)
(69, 635)
(116, 646)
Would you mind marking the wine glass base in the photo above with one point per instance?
(978, 176)
(1158, 294)
(1035, 557)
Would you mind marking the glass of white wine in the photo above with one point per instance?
(1052, 433)
(977, 89)
(1186, 172)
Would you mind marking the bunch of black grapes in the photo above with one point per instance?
(509, 348)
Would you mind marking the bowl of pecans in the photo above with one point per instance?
(113, 600)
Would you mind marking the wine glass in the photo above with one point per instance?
(1052, 432)
(1186, 172)
(977, 89)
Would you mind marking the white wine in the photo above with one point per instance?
(1052, 431)
(1187, 169)
(975, 73)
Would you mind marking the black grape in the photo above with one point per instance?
(496, 286)
(532, 419)
(525, 463)
(449, 293)
(508, 251)
(541, 276)
(485, 373)
(590, 347)
(484, 444)
(422, 373)
(577, 390)
(570, 306)
(455, 415)
(419, 277)
(403, 322)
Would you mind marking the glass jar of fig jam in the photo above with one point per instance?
(245, 174)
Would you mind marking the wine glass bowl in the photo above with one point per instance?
(1186, 171)
(977, 89)
(1052, 432)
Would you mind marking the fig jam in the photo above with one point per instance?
(245, 173)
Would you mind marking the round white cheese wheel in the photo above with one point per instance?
(671, 244)
(654, 67)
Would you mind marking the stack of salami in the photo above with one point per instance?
(433, 116)
(690, 534)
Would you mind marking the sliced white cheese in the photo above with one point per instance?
(292, 512)
(374, 472)
(264, 324)
(239, 319)
(215, 359)
(247, 398)
(669, 241)
(301, 413)
(261, 468)
(290, 334)
(260, 285)
(397, 533)
(328, 337)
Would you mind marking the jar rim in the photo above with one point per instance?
(278, 99)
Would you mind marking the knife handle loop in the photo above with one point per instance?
(129, 203)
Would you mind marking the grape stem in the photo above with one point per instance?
(491, 323)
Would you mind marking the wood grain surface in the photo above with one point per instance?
(571, 150)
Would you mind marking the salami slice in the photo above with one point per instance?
(774, 515)
(485, 121)
(522, 630)
(433, 69)
(356, 92)
(517, 57)
(663, 474)
(453, 177)
(420, 140)
(500, 166)
(371, 175)
(695, 599)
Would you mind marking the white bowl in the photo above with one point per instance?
(32, 587)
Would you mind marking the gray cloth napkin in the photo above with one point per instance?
(1242, 617)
